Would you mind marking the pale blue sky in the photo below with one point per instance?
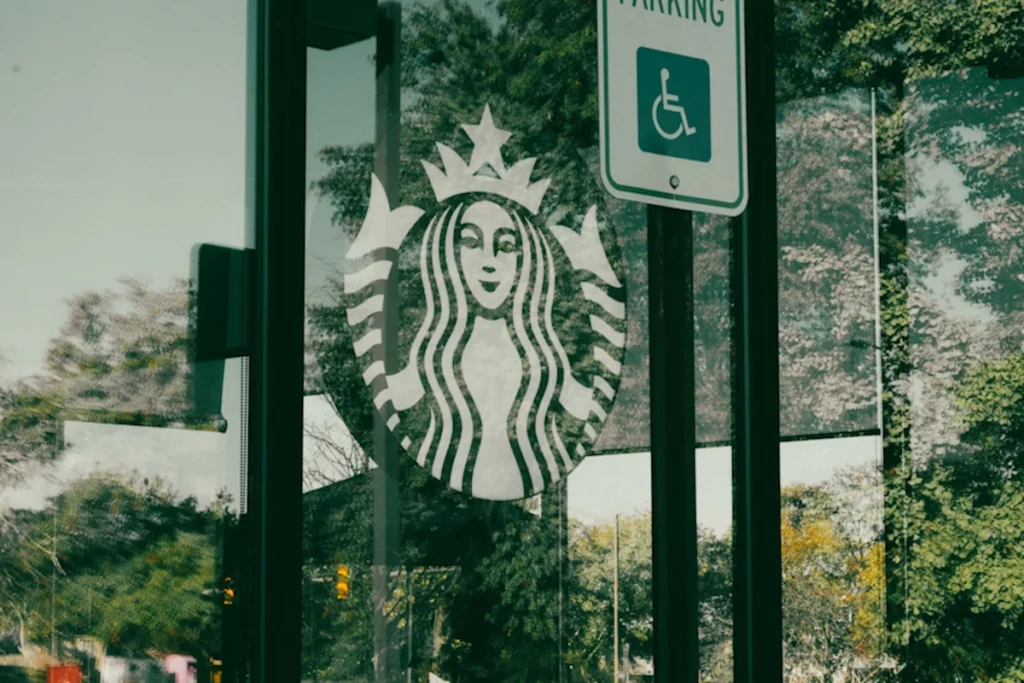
(122, 142)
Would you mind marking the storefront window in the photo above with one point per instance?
(120, 488)
(476, 447)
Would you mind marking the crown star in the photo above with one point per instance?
(488, 140)
(461, 178)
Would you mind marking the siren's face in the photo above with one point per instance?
(489, 252)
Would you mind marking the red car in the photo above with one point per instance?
(63, 674)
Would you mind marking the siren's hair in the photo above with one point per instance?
(452, 439)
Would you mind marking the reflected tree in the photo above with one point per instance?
(124, 561)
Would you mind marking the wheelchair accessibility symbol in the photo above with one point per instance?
(676, 91)
(667, 101)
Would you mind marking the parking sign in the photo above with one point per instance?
(672, 98)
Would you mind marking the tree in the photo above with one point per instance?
(949, 90)
(31, 433)
(134, 568)
(484, 581)
(126, 351)
(832, 584)
(591, 595)
(966, 575)
(134, 563)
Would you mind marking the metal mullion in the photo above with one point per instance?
(276, 207)
(386, 477)
(757, 570)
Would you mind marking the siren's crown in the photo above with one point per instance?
(459, 177)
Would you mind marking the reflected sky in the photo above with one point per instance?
(123, 144)
(605, 486)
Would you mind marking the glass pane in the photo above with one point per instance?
(902, 557)
(120, 150)
(960, 488)
(499, 566)
(831, 534)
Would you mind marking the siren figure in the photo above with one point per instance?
(498, 410)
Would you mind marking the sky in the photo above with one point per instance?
(122, 145)
(120, 150)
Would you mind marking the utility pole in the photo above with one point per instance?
(92, 641)
(313, 632)
(615, 603)
(408, 601)
(53, 560)
(53, 587)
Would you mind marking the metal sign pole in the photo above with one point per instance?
(673, 441)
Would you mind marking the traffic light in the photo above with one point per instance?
(229, 591)
(343, 584)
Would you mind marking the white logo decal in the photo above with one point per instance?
(509, 368)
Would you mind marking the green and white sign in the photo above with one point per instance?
(672, 103)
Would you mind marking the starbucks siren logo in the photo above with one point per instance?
(511, 337)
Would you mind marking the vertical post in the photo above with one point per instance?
(673, 434)
(276, 206)
(615, 603)
(757, 572)
(879, 360)
(408, 622)
(896, 370)
(53, 586)
(232, 637)
(88, 655)
(310, 586)
(562, 492)
(386, 504)
(876, 243)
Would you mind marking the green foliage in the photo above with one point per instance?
(966, 573)
(121, 357)
(125, 350)
(832, 581)
(153, 602)
(134, 568)
(591, 595)
(992, 403)
(31, 430)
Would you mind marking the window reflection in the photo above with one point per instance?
(119, 500)
(948, 208)
(961, 499)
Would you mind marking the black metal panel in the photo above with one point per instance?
(337, 23)
(220, 284)
(219, 327)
